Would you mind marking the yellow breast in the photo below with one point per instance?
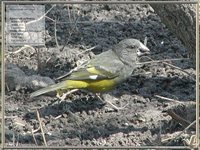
(100, 85)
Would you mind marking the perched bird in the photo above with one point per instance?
(105, 71)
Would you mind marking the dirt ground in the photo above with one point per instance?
(83, 119)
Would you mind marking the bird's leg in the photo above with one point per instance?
(98, 95)
(62, 95)
(62, 98)
(107, 101)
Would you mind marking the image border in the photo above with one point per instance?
(4, 3)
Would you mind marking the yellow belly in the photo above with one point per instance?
(93, 86)
(101, 85)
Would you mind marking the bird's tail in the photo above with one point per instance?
(50, 88)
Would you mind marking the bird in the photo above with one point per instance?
(105, 71)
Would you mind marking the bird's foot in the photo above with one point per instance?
(116, 108)
(62, 96)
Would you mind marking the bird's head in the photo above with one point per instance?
(129, 50)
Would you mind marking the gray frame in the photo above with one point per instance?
(3, 3)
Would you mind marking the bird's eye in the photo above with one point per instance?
(131, 46)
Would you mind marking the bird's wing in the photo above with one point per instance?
(104, 66)
(91, 73)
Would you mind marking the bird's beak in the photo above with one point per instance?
(143, 50)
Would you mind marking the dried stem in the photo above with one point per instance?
(41, 128)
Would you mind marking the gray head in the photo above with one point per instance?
(129, 50)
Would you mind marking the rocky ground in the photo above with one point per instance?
(83, 119)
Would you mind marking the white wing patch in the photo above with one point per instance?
(93, 77)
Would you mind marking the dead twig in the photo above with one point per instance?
(86, 50)
(179, 119)
(69, 14)
(178, 68)
(36, 130)
(176, 137)
(165, 62)
(22, 49)
(55, 33)
(59, 116)
(41, 128)
(145, 41)
(32, 131)
(13, 138)
(33, 21)
(65, 94)
(107, 101)
(160, 61)
(50, 18)
(70, 32)
(39, 67)
(168, 99)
